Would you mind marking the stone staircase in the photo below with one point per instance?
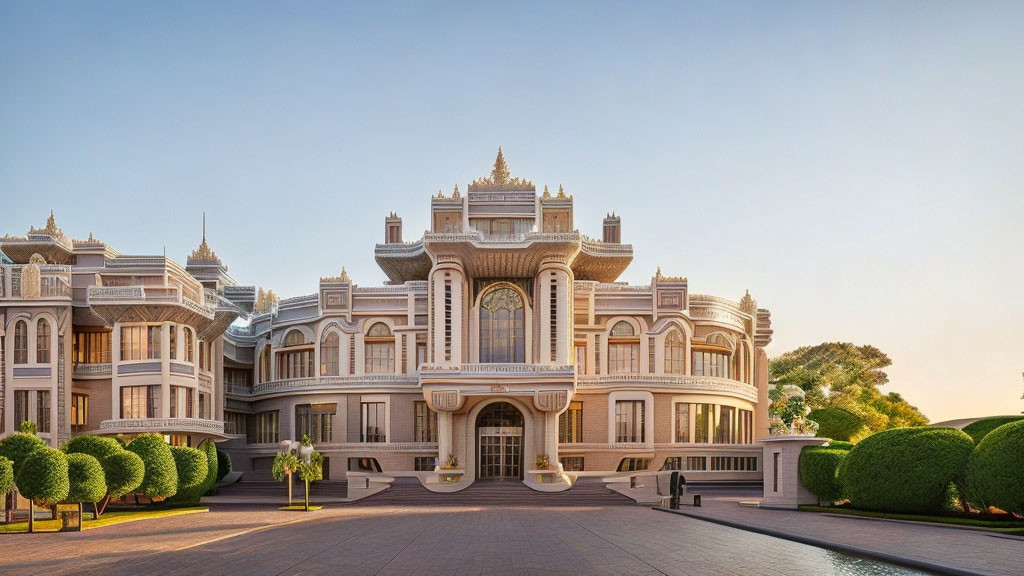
(409, 492)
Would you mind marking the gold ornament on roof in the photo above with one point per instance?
(748, 304)
(203, 253)
(50, 230)
(265, 301)
(561, 192)
(440, 194)
(660, 278)
(456, 194)
(342, 278)
(500, 179)
(546, 195)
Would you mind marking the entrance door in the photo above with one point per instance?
(500, 443)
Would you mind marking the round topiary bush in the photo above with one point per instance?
(191, 466)
(837, 423)
(905, 469)
(17, 447)
(193, 494)
(995, 473)
(819, 471)
(980, 428)
(6, 475)
(43, 477)
(85, 478)
(124, 472)
(840, 445)
(161, 475)
(223, 465)
(99, 447)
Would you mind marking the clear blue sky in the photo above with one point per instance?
(857, 166)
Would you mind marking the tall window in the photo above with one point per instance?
(140, 342)
(704, 423)
(674, 353)
(43, 343)
(682, 422)
(502, 332)
(181, 402)
(43, 411)
(20, 407)
(140, 402)
(708, 363)
(746, 427)
(79, 412)
(265, 364)
(266, 428)
(153, 342)
(581, 359)
(373, 427)
(204, 406)
(623, 350)
(189, 354)
(173, 341)
(330, 355)
(91, 347)
(20, 342)
(380, 349)
(725, 433)
(570, 424)
(292, 362)
(426, 423)
(629, 421)
(315, 420)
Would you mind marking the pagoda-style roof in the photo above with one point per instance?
(48, 241)
(500, 180)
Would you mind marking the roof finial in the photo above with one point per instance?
(456, 194)
(500, 172)
(204, 225)
(547, 195)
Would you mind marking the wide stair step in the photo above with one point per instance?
(409, 492)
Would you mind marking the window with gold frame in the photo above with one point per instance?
(502, 330)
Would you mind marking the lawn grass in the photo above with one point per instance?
(300, 507)
(1002, 526)
(108, 519)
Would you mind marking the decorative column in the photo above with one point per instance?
(165, 372)
(555, 280)
(445, 403)
(551, 403)
(444, 434)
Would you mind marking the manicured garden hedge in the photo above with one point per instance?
(99, 447)
(980, 428)
(85, 479)
(43, 477)
(905, 469)
(840, 445)
(18, 447)
(191, 466)
(819, 471)
(995, 472)
(6, 475)
(192, 495)
(161, 476)
(124, 472)
(837, 423)
(223, 465)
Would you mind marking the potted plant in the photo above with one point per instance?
(543, 463)
(285, 464)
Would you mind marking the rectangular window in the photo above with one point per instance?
(42, 342)
(173, 341)
(424, 464)
(673, 463)
(629, 421)
(43, 411)
(746, 423)
(581, 359)
(725, 433)
(421, 354)
(710, 364)
(650, 355)
(153, 342)
(570, 424)
(373, 427)
(20, 407)
(181, 402)
(79, 412)
(572, 463)
(426, 423)
(624, 358)
(447, 319)
(775, 471)
(363, 465)
(266, 429)
(90, 347)
(682, 422)
(734, 463)
(704, 423)
(597, 354)
(140, 402)
(696, 463)
(634, 464)
(234, 422)
(380, 357)
(316, 420)
(289, 364)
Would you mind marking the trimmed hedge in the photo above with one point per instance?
(18, 447)
(840, 445)
(837, 423)
(43, 477)
(995, 473)
(980, 428)
(192, 495)
(191, 466)
(99, 447)
(124, 473)
(819, 471)
(161, 476)
(905, 469)
(6, 475)
(85, 478)
(223, 465)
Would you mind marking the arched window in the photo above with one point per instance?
(20, 342)
(43, 342)
(379, 352)
(674, 353)
(623, 349)
(296, 359)
(329, 356)
(502, 331)
(713, 358)
(623, 328)
(294, 338)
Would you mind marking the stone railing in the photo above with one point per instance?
(135, 261)
(133, 425)
(331, 381)
(54, 281)
(102, 369)
(699, 298)
(129, 295)
(597, 446)
(400, 249)
(380, 446)
(597, 248)
(711, 384)
(497, 369)
(237, 390)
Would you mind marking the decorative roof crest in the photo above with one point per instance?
(265, 301)
(456, 194)
(50, 230)
(561, 193)
(748, 304)
(203, 253)
(500, 179)
(658, 277)
(342, 278)
(547, 195)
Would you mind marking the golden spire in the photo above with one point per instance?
(547, 195)
(499, 174)
(561, 192)
(440, 194)
(265, 301)
(748, 304)
(658, 273)
(203, 253)
(50, 229)
(456, 195)
(344, 275)
(500, 179)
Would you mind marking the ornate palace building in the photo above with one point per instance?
(501, 339)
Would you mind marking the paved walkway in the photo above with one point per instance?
(968, 550)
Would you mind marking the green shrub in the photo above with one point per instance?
(6, 475)
(18, 447)
(837, 423)
(980, 428)
(223, 465)
(99, 447)
(995, 473)
(85, 479)
(192, 495)
(191, 466)
(124, 472)
(27, 427)
(905, 469)
(161, 476)
(819, 471)
(840, 445)
(43, 477)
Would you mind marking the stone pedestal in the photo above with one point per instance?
(781, 465)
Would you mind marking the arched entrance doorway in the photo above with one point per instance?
(499, 444)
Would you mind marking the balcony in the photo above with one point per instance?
(163, 426)
(671, 384)
(150, 304)
(328, 383)
(54, 282)
(91, 370)
(500, 377)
